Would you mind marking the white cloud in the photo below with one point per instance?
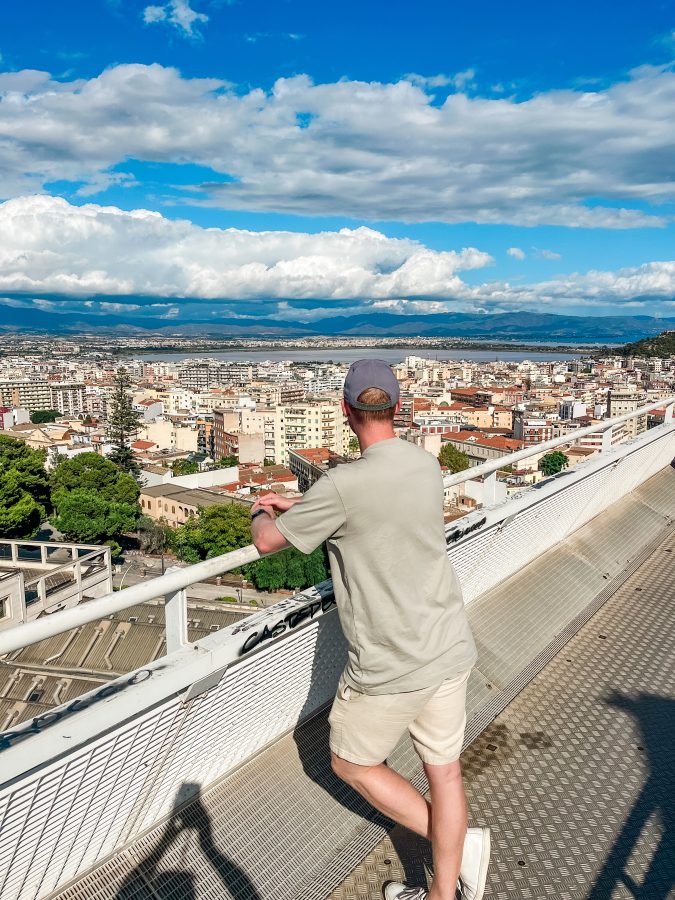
(178, 13)
(468, 159)
(459, 80)
(516, 252)
(549, 254)
(48, 246)
(154, 14)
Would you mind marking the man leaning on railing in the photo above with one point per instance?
(410, 649)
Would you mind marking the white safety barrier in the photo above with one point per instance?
(86, 778)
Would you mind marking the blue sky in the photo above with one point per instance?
(444, 157)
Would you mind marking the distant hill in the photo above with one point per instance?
(520, 325)
(663, 346)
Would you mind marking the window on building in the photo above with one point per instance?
(133, 619)
(35, 696)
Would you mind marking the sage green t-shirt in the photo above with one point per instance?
(398, 596)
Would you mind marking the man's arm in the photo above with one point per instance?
(266, 536)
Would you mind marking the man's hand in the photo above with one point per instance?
(266, 536)
(270, 502)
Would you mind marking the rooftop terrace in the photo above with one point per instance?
(206, 773)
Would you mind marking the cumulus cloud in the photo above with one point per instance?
(633, 287)
(516, 252)
(178, 13)
(50, 246)
(494, 160)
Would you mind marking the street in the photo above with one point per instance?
(132, 567)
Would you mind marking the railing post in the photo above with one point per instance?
(669, 412)
(43, 554)
(15, 551)
(490, 489)
(607, 439)
(175, 613)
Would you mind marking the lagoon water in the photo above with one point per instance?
(349, 354)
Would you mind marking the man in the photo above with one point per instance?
(410, 649)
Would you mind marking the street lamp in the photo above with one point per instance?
(124, 575)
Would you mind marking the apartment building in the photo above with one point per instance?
(622, 400)
(27, 393)
(298, 426)
(531, 429)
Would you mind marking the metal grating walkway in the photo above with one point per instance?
(555, 774)
(576, 777)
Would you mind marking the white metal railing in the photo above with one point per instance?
(488, 470)
(172, 585)
(90, 776)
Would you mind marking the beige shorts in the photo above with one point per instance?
(365, 728)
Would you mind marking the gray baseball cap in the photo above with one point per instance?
(370, 373)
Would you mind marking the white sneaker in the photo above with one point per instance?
(394, 890)
(475, 861)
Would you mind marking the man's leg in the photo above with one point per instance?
(448, 827)
(389, 792)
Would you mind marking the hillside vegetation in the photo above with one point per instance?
(663, 346)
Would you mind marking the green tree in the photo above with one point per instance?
(353, 446)
(153, 537)
(226, 462)
(123, 424)
(94, 501)
(92, 472)
(268, 461)
(20, 514)
(24, 488)
(269, 573)
(553, 462)
(453, 459)
(184, 467)
(216, 530)
(85, 515)
(288, 569)
(40, 416)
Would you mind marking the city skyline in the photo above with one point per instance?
(201, 161)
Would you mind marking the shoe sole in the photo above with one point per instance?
(484, 864)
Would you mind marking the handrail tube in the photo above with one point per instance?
(31, 632)
(23, 635)
(48, 573)
(487, 468)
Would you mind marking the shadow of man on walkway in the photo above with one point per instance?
(151, 881)
(655, 718)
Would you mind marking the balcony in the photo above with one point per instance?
(205, 774)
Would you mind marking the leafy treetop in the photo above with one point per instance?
(40, 416)
(89, 471)
(452, 458)
(24, 489)
(553, 462)
(217, 529)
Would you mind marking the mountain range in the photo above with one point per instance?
(519, 325)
